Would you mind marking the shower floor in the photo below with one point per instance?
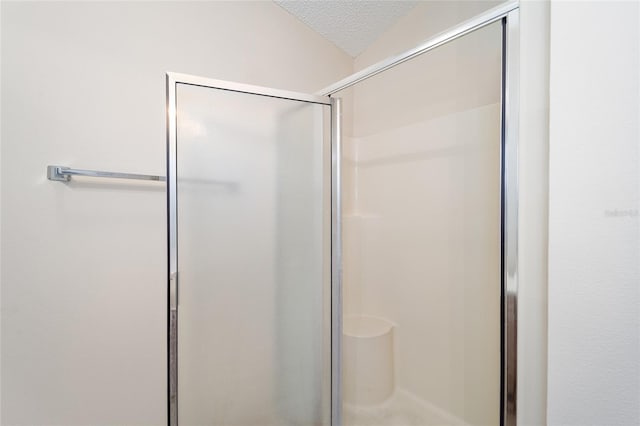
(401, 409)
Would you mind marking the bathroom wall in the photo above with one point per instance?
(422, 231)
(83, 284)
(594, 239)
(83, 264)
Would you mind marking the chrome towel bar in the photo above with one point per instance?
(63, 174)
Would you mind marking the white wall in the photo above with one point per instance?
(84, 264)
(594, 241)
(533, 213)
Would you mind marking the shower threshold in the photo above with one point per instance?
(401, 409)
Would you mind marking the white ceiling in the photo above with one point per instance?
(352, 25)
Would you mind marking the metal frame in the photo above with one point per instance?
(510, 198)
(194, 80)
(336, 262)
(508, 13)
(482, 20)
(172, 80)
(172, 247)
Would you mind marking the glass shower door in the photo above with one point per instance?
(250, 255)
(423, 240)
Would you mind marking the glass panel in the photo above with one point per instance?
(254, 259)
(422, 240)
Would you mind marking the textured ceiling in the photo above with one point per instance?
(352, 25)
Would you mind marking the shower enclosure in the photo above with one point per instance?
(262, 327)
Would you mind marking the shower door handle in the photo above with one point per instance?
(173, 291)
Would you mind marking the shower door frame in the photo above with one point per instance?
(172, 80)
(508, 13)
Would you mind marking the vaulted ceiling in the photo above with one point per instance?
(352, 25)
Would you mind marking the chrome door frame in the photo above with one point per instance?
(172, 80)
(510, 128)
(508, 13)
